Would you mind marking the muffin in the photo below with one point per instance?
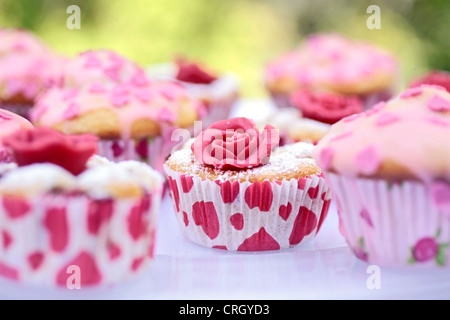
(293, 127)
(219, 92)
(234, 193)
(70, 218)
(333, 73)
(10, 123)
(388, 169)
(134, 121)
(27, 67)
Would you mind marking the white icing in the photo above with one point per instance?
(98, 180)
(37, 178)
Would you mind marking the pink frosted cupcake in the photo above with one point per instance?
(27, 67)
(232, 192)
(389, 172)
(353, 72)
(133, 120)
(71, 219)
(217, 91)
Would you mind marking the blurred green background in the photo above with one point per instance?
(235, 35)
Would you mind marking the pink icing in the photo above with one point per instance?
(102, 66)
(129, 102)
(368, 160)
(437, 103)
(407, 132)
(386, 118)
(235, 144)
(120, 95)
(331, 58)
(410, 93)
(325, 157)
(97, 87)
(27, 66)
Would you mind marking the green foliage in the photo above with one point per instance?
(237, 35)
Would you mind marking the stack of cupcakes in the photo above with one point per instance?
(110, 96)
(27, 68)
(329, 77)
(389, 172)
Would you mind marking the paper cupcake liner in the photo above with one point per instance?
(18, 108)
(153, 151)
(74, 240)
(244, 216)
(391, 224)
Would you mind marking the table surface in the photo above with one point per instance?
(323, 268)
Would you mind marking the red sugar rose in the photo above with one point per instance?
(193, 73)
(435, 77)
(326, 107)
(42, 145)
(235, 144)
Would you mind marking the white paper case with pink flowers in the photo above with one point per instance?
(391, 224)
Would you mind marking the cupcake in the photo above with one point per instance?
(434, 77)
(217, 91)
(388, 169)
(27, 67)
(70, 218)
(10, 123)
(329, 73)
(134, 121)
(293, 127)
(233, 189)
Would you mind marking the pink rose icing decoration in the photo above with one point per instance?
(235, 144)
(193, 73)
(434, 77)
(42, 145)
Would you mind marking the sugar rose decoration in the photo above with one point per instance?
(193, 73)
(45, 145)
(235, 144)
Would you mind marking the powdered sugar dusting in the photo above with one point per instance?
(288, 160)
